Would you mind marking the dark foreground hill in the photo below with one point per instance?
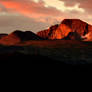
(23, 59)
(68, 52)
(19, 36)
(71, 55)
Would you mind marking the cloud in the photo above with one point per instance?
(30, 9)
(12, 23)
(44, 12)
(60, 5)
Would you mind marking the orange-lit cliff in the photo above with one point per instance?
(76, 26)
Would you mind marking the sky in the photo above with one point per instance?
(36, 15)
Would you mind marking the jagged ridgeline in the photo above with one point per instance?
(68, 29)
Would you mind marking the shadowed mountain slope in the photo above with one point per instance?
(19, 36)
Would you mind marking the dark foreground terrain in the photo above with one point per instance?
(21, 59)
(71, 55)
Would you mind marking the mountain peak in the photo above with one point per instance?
(71, 21)
(65, 27)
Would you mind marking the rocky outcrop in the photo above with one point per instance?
(75, 26)
(19, 36)
(72, 36)
(46, 34)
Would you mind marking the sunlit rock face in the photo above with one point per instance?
(75, 26)
(48, 33)
(19, 36)
(61, 31)
(44, 34)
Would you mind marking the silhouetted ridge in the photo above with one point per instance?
(27, 35)
(19, 36)
(70, 21)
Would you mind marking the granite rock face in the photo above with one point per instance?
(75, 26)
(46, 34)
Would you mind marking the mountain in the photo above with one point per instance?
(19, 36)
(68, 29)
(48, 32)
(76, 28)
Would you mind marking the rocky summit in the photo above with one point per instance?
(76, 28)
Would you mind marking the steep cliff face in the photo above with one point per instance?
(46, 34)
(76, 25)
(61, 31)
(67, 26)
